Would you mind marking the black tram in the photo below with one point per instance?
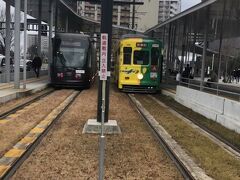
(74, 61)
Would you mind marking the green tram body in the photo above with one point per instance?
(138, 64)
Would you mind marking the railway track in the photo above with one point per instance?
(185, 170)
(13, 159)
(23, 105)
(234, 149)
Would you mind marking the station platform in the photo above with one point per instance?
(222, 108)
(8, 93)
(234, 83)
(225, 90)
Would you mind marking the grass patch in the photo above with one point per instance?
(229, 135)
(213, 159)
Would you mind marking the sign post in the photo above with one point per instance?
(106, 28)
(103, 78)
(104, 58)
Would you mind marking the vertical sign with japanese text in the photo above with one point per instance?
(104, 57)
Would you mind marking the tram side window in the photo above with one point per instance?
(155, 54)
(127, 54)
(141, 57)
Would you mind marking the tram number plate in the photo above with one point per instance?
(155, 45)
(153, 75)
(80, 71)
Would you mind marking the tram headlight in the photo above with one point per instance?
(140, 76)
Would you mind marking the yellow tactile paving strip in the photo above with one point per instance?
(8, 159)
(27, 140)
(3, 169)
(18, 113)
(13, 153)
(4, 121)
(45, 122)
(36, 130)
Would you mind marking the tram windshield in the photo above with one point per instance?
(71, 57)
(70, 52)
(155, 54)
(141, 57)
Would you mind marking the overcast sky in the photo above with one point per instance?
(189, 3)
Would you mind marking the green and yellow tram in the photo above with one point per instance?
(138, 61)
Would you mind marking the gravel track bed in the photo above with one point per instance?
(12, 131)
(11, 104)
(217, 163)
(66, 153)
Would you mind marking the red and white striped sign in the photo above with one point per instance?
(104, 56)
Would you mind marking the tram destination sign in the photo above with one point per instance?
(142, 45)
(104, 57)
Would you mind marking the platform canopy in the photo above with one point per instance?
(67, 8)
(211, 12)
(218, 20)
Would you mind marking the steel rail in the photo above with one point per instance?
(180, 166)
(21, 106)
(31, 148)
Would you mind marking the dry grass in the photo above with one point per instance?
(66, 153)
(213, 159)
(217, 128)
(16, 102)
(16, 128)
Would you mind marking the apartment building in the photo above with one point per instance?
(147, 14)
(168, 9)
(121, 14)
(156, 11)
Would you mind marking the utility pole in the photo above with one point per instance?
(104, 79)
(8, 41)
(106, 27)
(104, 75)
(204, 49)
(133, 15)
(25, 44)
(50, 49)
(39, 27)
(17, 44)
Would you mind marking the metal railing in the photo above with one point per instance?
(225, 90)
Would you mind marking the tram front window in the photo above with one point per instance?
(71, 57)
(155, 54)
(141, 57)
